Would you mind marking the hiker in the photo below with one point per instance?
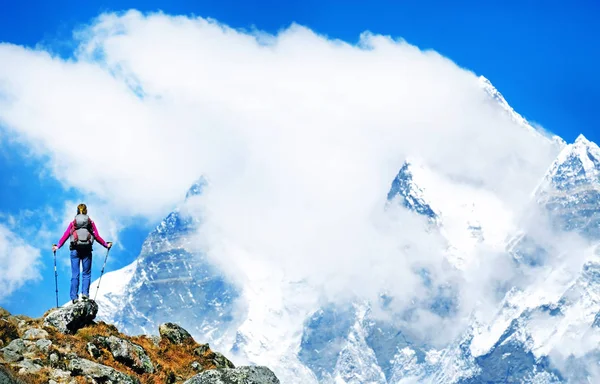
(82, 231)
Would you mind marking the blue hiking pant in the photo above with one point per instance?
(83, 259)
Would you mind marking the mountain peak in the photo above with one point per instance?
(197, 187)
(583, 148)
(577, 164)
(495, 95)
(583, 141)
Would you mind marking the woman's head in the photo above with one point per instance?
(82, 209)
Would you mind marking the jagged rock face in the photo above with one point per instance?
(571, 193)
(335, 346)
(72, 317)
(173, 281)
(99, 372)
(240, 375)
(404, 188)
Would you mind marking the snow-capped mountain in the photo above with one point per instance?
(170, 280)
(545, 329)
(465, 215)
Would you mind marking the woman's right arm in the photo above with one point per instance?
(65, 236)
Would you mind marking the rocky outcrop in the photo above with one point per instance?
(240, 375)
(128, 353)
(73, 317)
(68, 347)
(174, 333)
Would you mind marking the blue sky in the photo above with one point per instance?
(541, 55)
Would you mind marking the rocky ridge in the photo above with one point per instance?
(66, 345)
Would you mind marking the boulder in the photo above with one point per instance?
(72, 317)
(28, 366)
(240, 375)
(60, 376)
(35, 334)
(130, 354)
(221, 361)
(174, 333)
(100, 373)
(14, 351)
(43, 345)
(202, 349)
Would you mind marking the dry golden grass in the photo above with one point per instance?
(42, 377)
(8, 330)
(172, 363)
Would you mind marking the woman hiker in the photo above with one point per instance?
(82, 231)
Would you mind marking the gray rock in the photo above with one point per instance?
(53, 359)
(60, 376)
(35, 334)
(28, 366)
(196, 366)
(73, 317)
(99, 372)
(174, 333)
(14, 351)
(31, 349)
(43, 345)
(221, 361)
(130, 354)
(93, 350)
(202, 349)
(11, 356)
(240, 375)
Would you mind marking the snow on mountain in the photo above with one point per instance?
(111, 292)
(271, 330)
(269, 323)
(555, 314)
(171, 279)
(500, 101)
(357, 362)
(467, 216)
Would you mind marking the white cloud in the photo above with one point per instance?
(300, 137)
(18, 262)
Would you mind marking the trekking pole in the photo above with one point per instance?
(102, 273)
(55, 277)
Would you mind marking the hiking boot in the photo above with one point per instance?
(84, 297)
(75, 301)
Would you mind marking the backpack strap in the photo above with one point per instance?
(74, 231)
